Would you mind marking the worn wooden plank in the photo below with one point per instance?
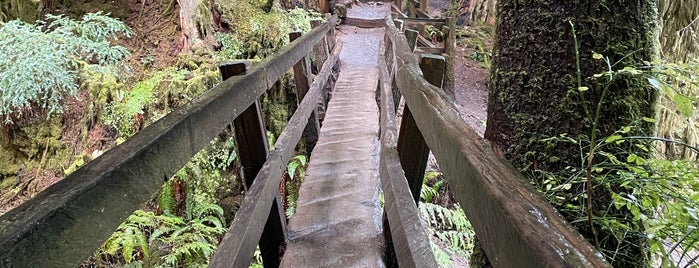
(422, 14)
(288, 56)
(408, 238)
(429, 50)
(251, 138)
(301, 76)
(517, 227)
(364, 22)
(238, 245)
(433, 69)
(320, 51)
(413, 22)
(411, 36)
(413, 153)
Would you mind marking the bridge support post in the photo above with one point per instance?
(413, 152)
(301, 74)
(251, 138)
(411, 35)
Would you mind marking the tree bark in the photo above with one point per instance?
(534, 95)
(482, 11)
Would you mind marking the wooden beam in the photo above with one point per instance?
(433, 69)
(516, 225)
(406, 238)
(301, 75)
(64, 224)
(411, 22)
(238, 245)
(251, 138)
(429, 50)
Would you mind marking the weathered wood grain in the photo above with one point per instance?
(251, 138)
(301, 76)
(517, 227)
(238, 245)
(408, 237)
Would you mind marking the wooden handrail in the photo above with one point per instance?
(238, 245)
(516, 226)
(410, 242)
(64, 224)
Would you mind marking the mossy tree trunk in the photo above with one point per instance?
(534, 94)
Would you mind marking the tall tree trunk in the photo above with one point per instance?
(449, 47)
(482, 11)
(534, 90)
(197, 23)
(679, 41)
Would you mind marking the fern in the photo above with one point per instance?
(40, 64)
(130, 237)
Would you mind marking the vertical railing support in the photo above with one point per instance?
(413, 152)
(301, 75)
(412, 147)
(320, 50)
(251, 138)
(411, 36)
(433, 68)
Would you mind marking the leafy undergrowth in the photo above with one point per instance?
(451, 232)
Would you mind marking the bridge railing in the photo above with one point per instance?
(516, 226)
(64, 224)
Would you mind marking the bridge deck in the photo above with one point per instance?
(338, 217)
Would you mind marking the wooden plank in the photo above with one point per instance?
(412, 22)
(320, 51)
(516, 226)
(423, 6)
(411, 36)
(64, 224)
(413, 153)
(429, 50)
(433, 69)
(395, 9)
(238, 245)
(422, 14)
(408, 238)
(364, 23)
(289, 55)
(301, 75)
(251, 138)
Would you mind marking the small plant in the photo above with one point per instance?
(296, 169)
(448, 225)
(40, 64)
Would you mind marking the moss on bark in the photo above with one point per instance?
(533, 92)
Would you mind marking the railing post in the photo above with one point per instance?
(433, 68)
(301, 74)
(251, 138)
(330, 35)
(413, 152)
(423, 5)
(320, 50)
(411, 35)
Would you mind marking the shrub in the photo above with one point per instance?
(42, 63)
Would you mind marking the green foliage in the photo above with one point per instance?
(130, 239)
(204, 173)
(448, 225)
(58, 52)
(231, 47)
(189, 241)
(259, 33)
(125, 107)
(296, 170)
(619, 193)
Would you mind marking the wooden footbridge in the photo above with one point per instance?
(357, 154)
